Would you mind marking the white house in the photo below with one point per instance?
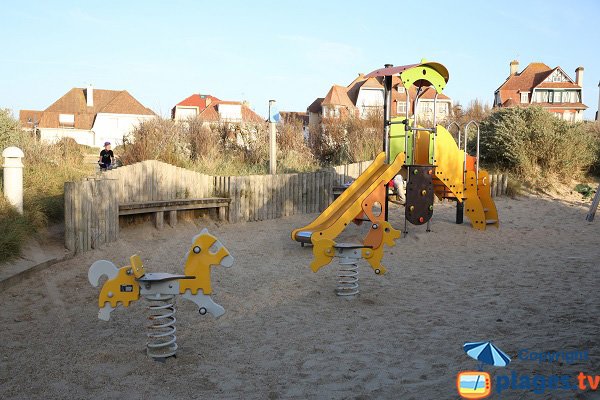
(211, 109)
(540, 85)
(364, 96)
(90, 116)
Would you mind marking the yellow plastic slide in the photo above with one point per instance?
(345, 208)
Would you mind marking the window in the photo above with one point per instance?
(524, 97)
(442, 109)
(401, 108)
(541, 96)
(66, 120)
(557, 97)
(557, 76)
(401, 89)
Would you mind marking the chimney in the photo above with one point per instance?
(579, 76)
(89, 96)
(208, 101)
(514, 67)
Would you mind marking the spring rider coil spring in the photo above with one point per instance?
(349, 254)
(162, 342)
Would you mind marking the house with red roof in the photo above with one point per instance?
(89, 116)
(540, 85)
(211, 109)
(364, 96)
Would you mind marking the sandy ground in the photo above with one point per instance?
(533, 283)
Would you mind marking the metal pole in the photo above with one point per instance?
(387, 107)
(272, 141)
(434, 133)
(477, 154)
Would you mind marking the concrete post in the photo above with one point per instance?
(272, 140)
(13, 176)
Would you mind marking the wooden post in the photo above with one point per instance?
(504, 183)
(69, 214)
(494, 185)
(173, 218)
(159, 217)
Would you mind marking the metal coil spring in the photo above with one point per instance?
(347, 278)
(161, 332)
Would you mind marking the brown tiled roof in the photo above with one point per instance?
(211, 113)
(532, 77)
(354, 88)
(208, 111)
(315, 106)
(337, 95)
(287, 116)
(28, 117)
(560, 85)
(74, 102)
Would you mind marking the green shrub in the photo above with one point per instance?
(16, 228)
(535, 145)
(47, 168)
(348, 139)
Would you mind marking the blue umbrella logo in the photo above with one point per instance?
(486, 353)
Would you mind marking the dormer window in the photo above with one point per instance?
(524, 97)
(401, 89)
(66, 120)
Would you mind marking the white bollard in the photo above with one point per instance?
(13, 176)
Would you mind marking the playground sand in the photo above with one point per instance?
(532, 284)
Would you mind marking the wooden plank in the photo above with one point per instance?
(303, 178)
(504, 183)
(234, 210)
(312, 193)
(113, 213)
(290, 193)
(173, 218)
(494, 184)
(268, 195)
(175, 202)
(96, 214)
(591, 214)
(247, 195)
(87, 211)
(276, 196)
(265, 197)
(281, 195)
(260, 198)
(69, 222)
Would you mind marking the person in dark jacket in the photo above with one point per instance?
(107, 158)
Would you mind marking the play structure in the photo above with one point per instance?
(431, 162)
(125, 285)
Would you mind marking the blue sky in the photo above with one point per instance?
(163, 51)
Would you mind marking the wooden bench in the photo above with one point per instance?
(159, 207)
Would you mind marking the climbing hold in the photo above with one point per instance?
(421, 219)
(423, 192)
(411, 208)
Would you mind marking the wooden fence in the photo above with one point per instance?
(92, 206)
